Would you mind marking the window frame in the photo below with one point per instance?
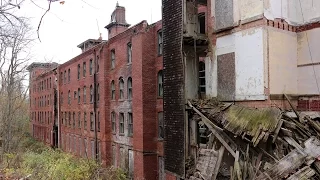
(160, 126)
(160, 84)
(113, 122)
(121, 123)
(79, 69)
(113, 58)
(129, 52)
(84, 69)
(129, 86)
(160, 42)
(130, 124)
(91, 94)
(90, 67)
(121, 88)
(113, 90)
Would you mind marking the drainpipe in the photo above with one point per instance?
(95, 100)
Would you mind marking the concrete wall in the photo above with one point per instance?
(250, 9)
(309, 68)
(249, 48)
(290, 10)
(282, 61)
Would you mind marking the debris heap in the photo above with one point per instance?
(263, 143)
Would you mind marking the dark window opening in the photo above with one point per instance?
(202, 23)
(202, 77)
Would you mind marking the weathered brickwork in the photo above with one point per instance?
(173, 87)
(131, 141)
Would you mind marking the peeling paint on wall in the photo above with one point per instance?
(249, 48)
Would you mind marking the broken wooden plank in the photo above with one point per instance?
(283, 167)
(294, 109)
(287, 132)
(214, 130)
(304, 173)
(277, 131)
(289, 125)
(222, 141)
(293, 143)
(217, 167)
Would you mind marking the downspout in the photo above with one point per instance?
(95, 101)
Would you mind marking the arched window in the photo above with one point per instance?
(129, 88)
(91, 94)
(121, 86)
(160, 84)
(69, 97)
(202, 77)
(84, 94)
(129, 52)
(113, 90)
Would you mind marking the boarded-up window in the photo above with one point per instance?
(226, 76)
(161, 168)
(131, 163)
(114, 154)
(223, 14)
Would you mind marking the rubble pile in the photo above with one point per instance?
(262, 144)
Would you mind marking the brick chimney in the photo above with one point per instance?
(118, 22)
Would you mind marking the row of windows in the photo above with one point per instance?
(74, 120)
(122, 123)
(42, 117)
(77, 95)
(42, 86)
(43, 101)
(80, 146)
(121, 89)
(129, 55)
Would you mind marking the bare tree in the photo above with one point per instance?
(14, 114)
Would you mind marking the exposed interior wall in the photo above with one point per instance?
(309, 68)
(248, 46)
(191, 73)
(211, 68)
(282, 61)
(290, 10)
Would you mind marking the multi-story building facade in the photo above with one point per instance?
(108, 100)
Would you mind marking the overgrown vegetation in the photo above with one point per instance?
(37, 161)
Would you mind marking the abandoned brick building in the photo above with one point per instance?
(122, 98)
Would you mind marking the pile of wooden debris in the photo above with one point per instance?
(260, 143)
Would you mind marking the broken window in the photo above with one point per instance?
(130, 124)
(121, 86)
(129, 88)
(79, 71)
(85, 120)
(69, 97)
(202, 23)
(160, 125)
(84, 69)
(84, 95)
(160, 42)
(113, 121)
(91, 121)
(79, 96)
(69, 75)
(160, 84)
(202, 77)
(91, 94)
(113, 59)
(121, 123)
(113, 90)
(91, 67)
(129, 52)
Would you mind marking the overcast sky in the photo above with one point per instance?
(67, 25)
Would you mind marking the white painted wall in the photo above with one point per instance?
(250, 9)
(282, 61)
(290, 10)
(308, 76)
(307, 79)
(248, 46)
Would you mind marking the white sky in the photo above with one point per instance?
(66, 26)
